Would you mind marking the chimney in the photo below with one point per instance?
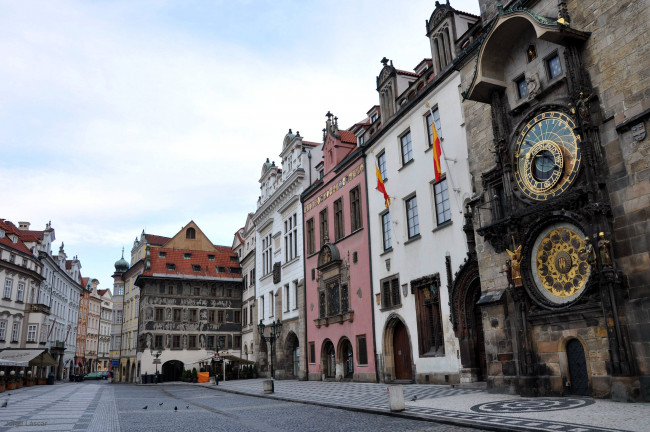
(23, 225)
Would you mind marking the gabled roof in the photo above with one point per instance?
(11, 229)
(209, 263)
(348, 137)
(156, 240)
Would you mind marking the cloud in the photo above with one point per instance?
(119, 116)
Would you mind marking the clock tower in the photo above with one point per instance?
(554, 299)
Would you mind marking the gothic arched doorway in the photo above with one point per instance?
(468, 321)
(328, 359)
(402, 352)
(577, 368)
(172, 370)
(292, 355)
(347, 358)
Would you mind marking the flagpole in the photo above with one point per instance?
(442, 149)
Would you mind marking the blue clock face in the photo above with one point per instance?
(546, 156)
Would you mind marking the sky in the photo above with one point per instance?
(123, 116)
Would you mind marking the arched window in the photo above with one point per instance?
(190, 233)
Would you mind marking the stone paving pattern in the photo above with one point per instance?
(446, 404)
(119, 408)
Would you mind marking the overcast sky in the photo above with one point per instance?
(119, 116)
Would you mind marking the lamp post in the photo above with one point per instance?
(156, 355)
(276, 328)
(216, 359)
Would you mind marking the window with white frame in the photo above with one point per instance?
(291, 237)
(406, 147)
(21, 292)
(443, 213)
(387, 240)
(267, 254)
(381, 164)
(435, 119)
(15, 331)
(31, 333)
(295, 294)
(3, 330)
(412, 217)
(8, 284)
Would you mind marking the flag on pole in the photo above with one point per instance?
(435, 141)
(381, 188)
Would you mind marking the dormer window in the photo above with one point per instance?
(162, 254)
(374, 118)
(190, 233)
(14, 239)
(187, 255)
(196, 268)
(210, 257)
(171, 266)
(360, 140)
(2, 233)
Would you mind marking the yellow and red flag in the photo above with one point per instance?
(381, 188)
(435, 141)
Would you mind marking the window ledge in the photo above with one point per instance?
(406, 164)
(412, 239)
(382, 309)
(340, 318)
(387, 251)
(293, 260)
(442, 226)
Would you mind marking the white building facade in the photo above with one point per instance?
(279, 263)
(418, 240)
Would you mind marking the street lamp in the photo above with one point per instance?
(276, 328)
(216, 359)
(156, 356)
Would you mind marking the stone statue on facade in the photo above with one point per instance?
(515, 264)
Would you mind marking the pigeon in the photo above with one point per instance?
(414, 398)
(160, 404)
(175, 408)
(4, 404)
(188, 407)
(145, 407)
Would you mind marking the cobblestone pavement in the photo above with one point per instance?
(98, 406)
(473, 408)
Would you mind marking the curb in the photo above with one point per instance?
(404, 415)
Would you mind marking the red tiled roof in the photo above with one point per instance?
(10, 228)
(68, 264)
(183, 266)
(156, 240)
(348, 137)
(38, 234)
(102, 292)
(403, 72)
(310, 143)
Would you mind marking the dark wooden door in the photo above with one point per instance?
(479, 343)
(402, 353)
(577, 368)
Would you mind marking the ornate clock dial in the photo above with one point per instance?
(546, 156)
(559, 264)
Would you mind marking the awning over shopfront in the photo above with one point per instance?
(26, 357)
(229, 357)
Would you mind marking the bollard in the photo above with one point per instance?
(268, 386)
(396, 398)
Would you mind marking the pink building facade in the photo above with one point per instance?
(340, 339)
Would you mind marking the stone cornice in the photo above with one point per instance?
(280, 196)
